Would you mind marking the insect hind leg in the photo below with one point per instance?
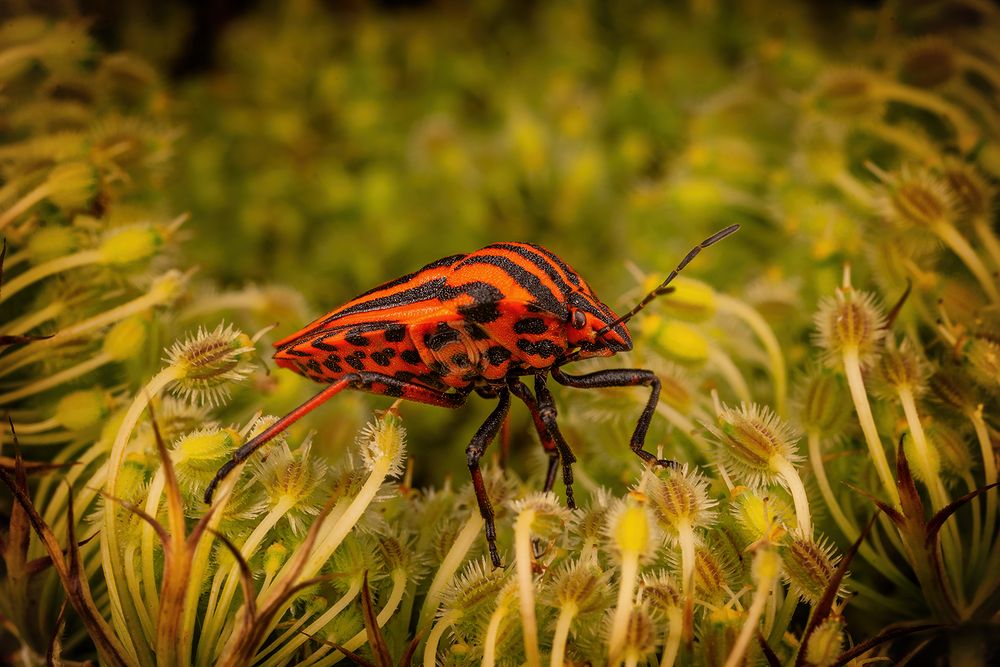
(367, 381)
(624, 377)
(477, 447)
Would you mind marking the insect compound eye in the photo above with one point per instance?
(579, 319)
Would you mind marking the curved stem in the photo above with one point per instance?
(798, 491)
(449, 566)
(623, 607)
(56, 379)
(981, 225)
(122, 609)
(760, 597)
(990, 468)
(672, 646)
(434, 638)
(763, 331)
(852, 368)
(288, 645)
(525, 585)
(561, 636)
(965, 252)
(492, 630)
(951, 544)
(729, 371)
(52, 267)
(687, 542)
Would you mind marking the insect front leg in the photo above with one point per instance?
(624, 377)
(480, 441)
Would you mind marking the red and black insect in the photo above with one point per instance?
(473, 323)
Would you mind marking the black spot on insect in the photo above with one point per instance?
(543, 348)
(393, 390)
(296, 352)
(530, 325)
(481, 313)
(354, 360)
(356, 339)
(438, 367)
(461, 360)
(497, 355)
(441, 337)
(380, 358)
(313, 366)
(333, 364)
(404, 376)
(395, 334)
(410, 356)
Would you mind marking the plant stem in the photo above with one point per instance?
(675, 623)
(950, 544)
(990, 469)
(788, 473)
(525, 585)
(56, 379)
(961, 247)
(763, 331)
(760, 597)
(852, 368)
(449, 566)
(49, 268)
(724, 364)
(492, 630)
(123, 613)
(434, 638)
(567, 612)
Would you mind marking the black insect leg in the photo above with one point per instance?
(547, 412)
(480, 441)
(382, 384)
(624, 377)
(522, 391)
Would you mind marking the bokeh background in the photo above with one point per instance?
(329, 147)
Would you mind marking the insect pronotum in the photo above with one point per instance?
(474, 323)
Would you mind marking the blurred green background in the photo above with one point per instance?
(331, 146)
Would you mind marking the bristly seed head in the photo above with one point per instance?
(823, 403)
(679, 497)
(852, 321)
(826, 643)
(902, 367)
(383, 439)
(581, 583)
(753, 443)
(809, 566)
(971, 192)
(293, 478)
(917, 198)
(208, 361)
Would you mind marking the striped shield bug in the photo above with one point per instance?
(474, 323)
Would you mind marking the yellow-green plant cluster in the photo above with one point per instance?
(829, 382)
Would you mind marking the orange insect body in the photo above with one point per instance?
(464, 322)
(476, 322)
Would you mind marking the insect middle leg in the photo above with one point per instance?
(480, 441)
(542, 407)
(624, 377)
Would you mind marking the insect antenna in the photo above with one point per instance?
(664, 287)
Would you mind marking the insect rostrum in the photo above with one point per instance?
(473, 323)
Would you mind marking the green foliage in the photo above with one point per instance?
(332, 151)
